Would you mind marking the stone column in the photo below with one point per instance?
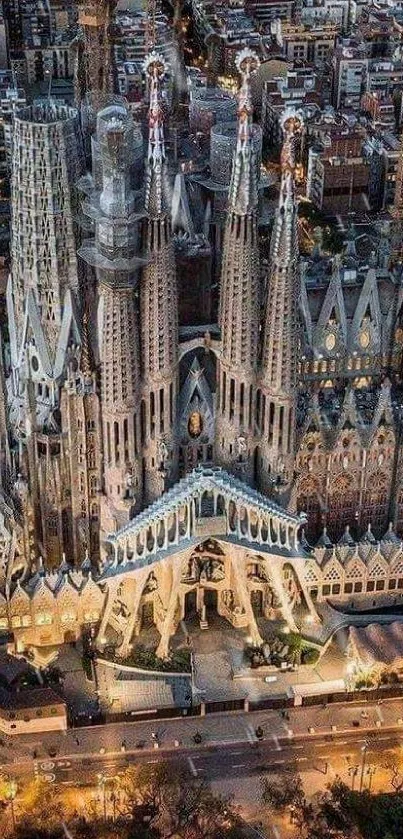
(141, 578)
(273, 570)
(166, 630)
(298, 563)
(238, 566)
(112, 588)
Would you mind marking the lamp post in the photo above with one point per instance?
(353, 772)
(371, 772)
(101, 784)
(363, 759)
(10, 795)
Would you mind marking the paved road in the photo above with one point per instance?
(229, 745)
(273, 754)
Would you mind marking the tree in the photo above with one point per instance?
(37, 819)
(396, 776)
(163, 802)
(285, 791)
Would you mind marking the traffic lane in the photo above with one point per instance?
(270, 752)
(267, 746)
(218, 762)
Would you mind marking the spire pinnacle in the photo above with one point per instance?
(278, 351)
(243, 189)
(86, 357)
(156, 177)
(284, 233)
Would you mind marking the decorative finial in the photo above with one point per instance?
(246, 62)
(155, 68)
(243, 195)
(291, 124)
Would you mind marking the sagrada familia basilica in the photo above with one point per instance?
(153, 468)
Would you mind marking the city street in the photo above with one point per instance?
(272, 754)
(364, 740)
(308, 737)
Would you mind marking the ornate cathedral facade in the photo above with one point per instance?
(158, 466)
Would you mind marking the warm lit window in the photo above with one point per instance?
(43, 618)
(91, 617)
(68, 617)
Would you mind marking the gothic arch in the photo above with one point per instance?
(343, 503)
(308, 501)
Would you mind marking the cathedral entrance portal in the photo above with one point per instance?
(190, 604)
(211, 599)
(147, 615)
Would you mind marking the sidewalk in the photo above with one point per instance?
(215, 729)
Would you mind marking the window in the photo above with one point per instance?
(91, 617)
(43, 618)
(392, 584)
(68, 617)
(400, 583)
(348, 588)
(325, 591)
(357, 588)
(380, 585)
(336, 589)
(370, 585)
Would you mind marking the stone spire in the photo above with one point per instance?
(42, 306)
(243, 192)
(240, 293)
(158, 306)
(279, 351)
(115, 256)
(157, 196)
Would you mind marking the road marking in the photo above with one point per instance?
(299, 747)
(238, 765)
(276, 831)
(235, 753)
(152, 761)
(47, 765)
(301, 758)
(251, 734)
(276, 743)
(192, 767)
(279, 761)
(380, 714)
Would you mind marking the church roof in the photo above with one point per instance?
(204, 479)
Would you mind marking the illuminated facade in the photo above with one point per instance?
(289, 405)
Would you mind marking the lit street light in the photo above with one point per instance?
(353, 772)
(101, 783)
(10, 794)
(363, 759)
(371, 772)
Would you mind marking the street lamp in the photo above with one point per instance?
(101, 784)
(10, 795)
(353, 772)
(371, 772)
(363, 759)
